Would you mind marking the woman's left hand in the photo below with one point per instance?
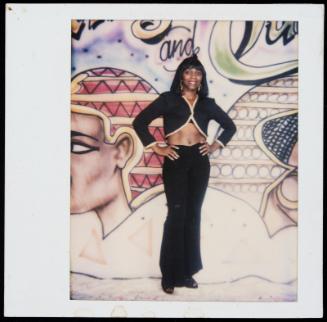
(206, 148)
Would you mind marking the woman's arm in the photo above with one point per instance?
(222, 118)
(141, 122)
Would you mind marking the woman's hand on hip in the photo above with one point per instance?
(206, 148)
(166, 151)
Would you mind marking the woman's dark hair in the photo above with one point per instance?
(190, 62)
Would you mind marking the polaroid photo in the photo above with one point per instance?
(164, 160)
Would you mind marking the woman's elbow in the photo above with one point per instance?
(231, 127)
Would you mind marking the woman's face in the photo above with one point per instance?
(191, 79)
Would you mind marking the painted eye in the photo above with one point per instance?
(80, 148)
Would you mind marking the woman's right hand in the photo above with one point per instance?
(166, 151)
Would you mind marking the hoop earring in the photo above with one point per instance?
(181, 86)
(199, 88)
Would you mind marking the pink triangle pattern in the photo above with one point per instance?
(152, 160)
(145, 181)
(135, 193)
(113, 86)
(158, 133)
(108, 71)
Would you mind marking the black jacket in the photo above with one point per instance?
(177, 112)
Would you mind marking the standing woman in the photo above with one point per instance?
(186, 112)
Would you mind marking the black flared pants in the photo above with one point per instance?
(185, 182)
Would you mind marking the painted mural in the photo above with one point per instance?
(118, 206)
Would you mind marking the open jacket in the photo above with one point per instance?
(177, 113)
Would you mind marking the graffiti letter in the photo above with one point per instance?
(148, 32)
(287, 31)
(228, 64)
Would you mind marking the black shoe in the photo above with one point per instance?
(167, 288)
(190, 282)
(179, 283)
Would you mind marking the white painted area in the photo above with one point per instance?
(234, 244)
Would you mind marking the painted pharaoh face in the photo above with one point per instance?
(93, 164)
(192, 78)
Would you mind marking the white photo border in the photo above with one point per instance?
(37, 174)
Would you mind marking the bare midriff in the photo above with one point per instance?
(187, 135)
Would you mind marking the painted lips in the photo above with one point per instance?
(192, 83)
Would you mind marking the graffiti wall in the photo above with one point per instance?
(118, 206)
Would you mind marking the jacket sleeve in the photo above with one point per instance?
(222, 118)
(141, 122)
